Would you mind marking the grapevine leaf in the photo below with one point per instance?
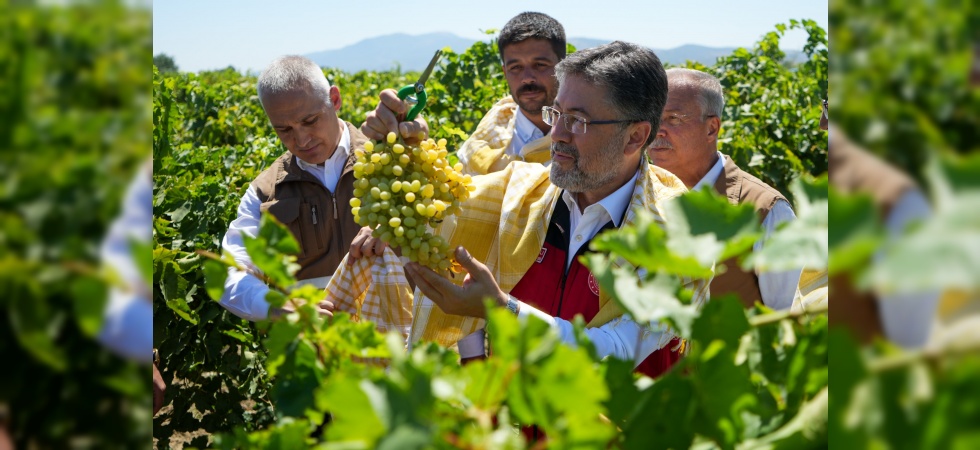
(90, 296)
(802, 242)
(215, 275)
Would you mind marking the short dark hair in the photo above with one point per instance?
(633, 74)
(532, 25)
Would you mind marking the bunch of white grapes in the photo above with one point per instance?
(401, 190)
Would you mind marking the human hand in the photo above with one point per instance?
(387, 117)
(365, 244)
(465, 300)
(159, 388)
(323, 307)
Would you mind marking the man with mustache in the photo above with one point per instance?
(687, 145)
(530, 45)
(308, 188)
(524, 255)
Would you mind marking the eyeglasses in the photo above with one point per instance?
(676, 120)
(573, 123)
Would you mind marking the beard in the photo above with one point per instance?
(532, 106)
(586, 174)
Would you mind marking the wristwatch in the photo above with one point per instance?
(513, 305)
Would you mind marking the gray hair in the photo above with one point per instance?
(711, 97)
(291, 73)
(633, 75)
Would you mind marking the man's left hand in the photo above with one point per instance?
(465, 300)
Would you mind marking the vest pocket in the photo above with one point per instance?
(287, 211)
(317, 219)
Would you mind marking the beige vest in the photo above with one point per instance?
(321, 222)
(741, 187)
(853, 170)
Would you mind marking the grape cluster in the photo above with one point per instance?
(401, 190)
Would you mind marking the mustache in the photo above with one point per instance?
(564, 148)
(660, 143)
(530, 88)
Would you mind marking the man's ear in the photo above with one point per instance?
(714, 126)
(335, 98)
(637, 137)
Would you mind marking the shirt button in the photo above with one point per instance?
(578, 238)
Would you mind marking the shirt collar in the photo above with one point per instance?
(340, 154)
(712, 176)
(614, 204)
(525, 128)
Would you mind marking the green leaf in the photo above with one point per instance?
(664, 417)
(269, 251)
(801, 243)
(180, 306)
(31, 321)
(698, 215)
(724, 391)
(90, 296)
(937, 255)
(856, 233)
(486, 382)
(652, 302)
(142, 253)
(644, 244)
(298, 376)
(722, 319)
(215, 275)
(282, 334)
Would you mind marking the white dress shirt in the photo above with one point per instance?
(244, 294)
(622, 337)
(777, 288)
(906, 317)
(127, 327)
(524, 131)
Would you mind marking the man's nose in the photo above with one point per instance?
(527, 76)
(559, 132)
(303, 136)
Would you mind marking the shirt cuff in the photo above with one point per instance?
(472, 345)
(526, 311)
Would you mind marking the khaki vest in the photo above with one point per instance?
(853, 170)
(741, 187)
(321, 222)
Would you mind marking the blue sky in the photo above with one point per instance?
(247, 34)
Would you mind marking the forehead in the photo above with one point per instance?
(681, 97)
(292, 106)
(529, 49)
(580, 96)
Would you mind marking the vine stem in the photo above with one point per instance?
(892, 362)
(777, 316)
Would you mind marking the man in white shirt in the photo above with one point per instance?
(530, 44)
(308, 188)
(687, 145)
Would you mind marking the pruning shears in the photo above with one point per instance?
(415, 93)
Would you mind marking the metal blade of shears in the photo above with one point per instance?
(428, 71)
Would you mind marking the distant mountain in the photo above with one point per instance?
(387, 52)
(412, 53)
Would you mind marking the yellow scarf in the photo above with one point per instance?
(485, 151)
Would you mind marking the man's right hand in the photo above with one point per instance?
(364, 244)
(387, 118)
(324, 308)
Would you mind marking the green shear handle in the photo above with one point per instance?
(415, 93)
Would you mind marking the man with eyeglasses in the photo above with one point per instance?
(530, 45)
(687, 145)
(524, 227)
